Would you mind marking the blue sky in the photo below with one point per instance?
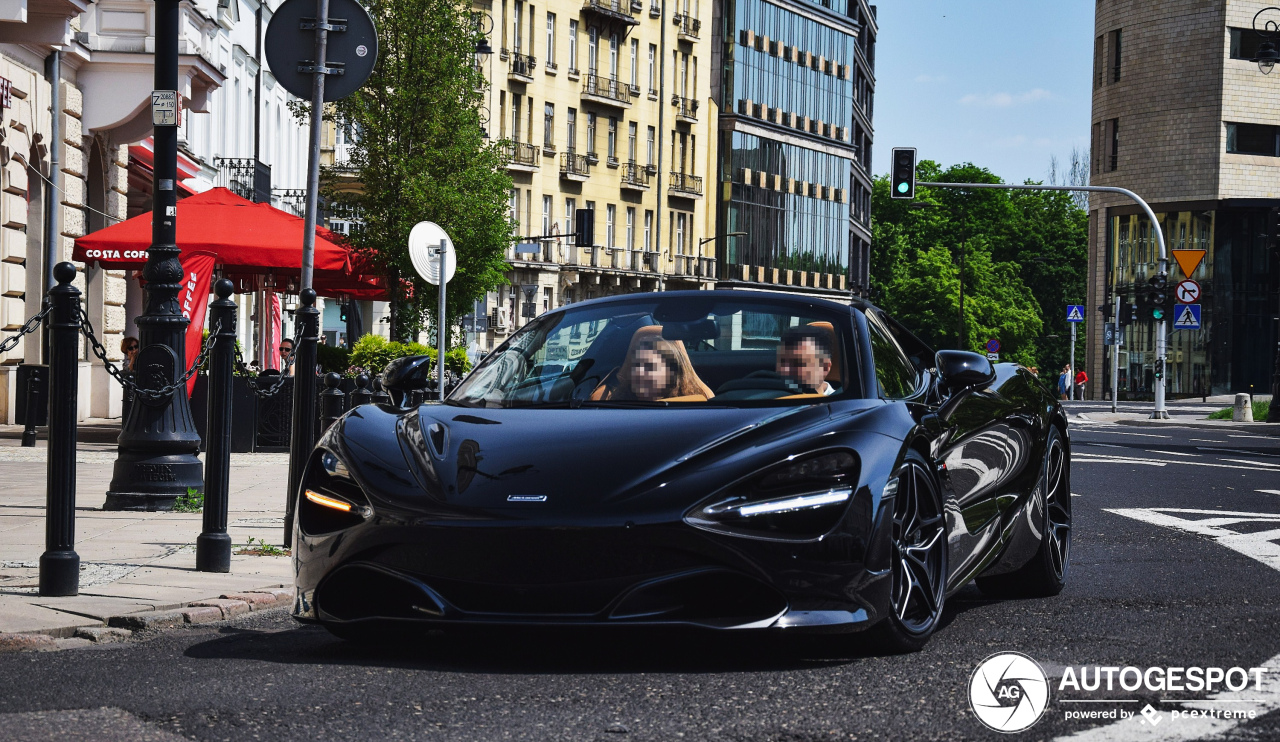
(1000, 83)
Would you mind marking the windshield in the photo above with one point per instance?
(669, 351)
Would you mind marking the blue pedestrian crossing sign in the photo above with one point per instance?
(1075, 313)
(1187, 317)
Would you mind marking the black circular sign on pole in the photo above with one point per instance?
(290, 47)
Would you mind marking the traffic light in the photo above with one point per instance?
(1106, 310)
(1159, 368)
(1128, 314)
(584, 228)
(1156, 299)
(903, 183)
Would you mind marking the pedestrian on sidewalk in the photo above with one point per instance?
(1064, 382)
(129, 347)
(1081, 379)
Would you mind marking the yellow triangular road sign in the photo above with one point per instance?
(1188, 260)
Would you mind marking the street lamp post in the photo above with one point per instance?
(157, 460)
(1267, 57)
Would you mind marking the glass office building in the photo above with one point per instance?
(795, 85)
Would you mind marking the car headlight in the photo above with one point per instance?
(801, 499)
(331, 499)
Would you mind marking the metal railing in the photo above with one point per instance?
(521, 153)
(606, 87)
(689, 26)
(619, 9)
(686, 108)
(686, 183)
(573, 164)
(522, 65)
(635, 175)
(246, 177)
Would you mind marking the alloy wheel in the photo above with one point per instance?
(919, 557)
(1058, 506)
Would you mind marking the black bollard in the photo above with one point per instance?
(213, 545)
(333, 402)
(303, 437)
(60, 564)
(37, 401)
(380, 395)
(362, 393)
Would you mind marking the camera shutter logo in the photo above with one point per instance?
(1009, 692)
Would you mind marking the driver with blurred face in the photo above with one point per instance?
(804, 356)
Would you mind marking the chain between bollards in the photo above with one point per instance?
(303, 437)
(60, 564)
(213, 546)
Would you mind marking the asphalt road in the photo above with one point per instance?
(1147, 590)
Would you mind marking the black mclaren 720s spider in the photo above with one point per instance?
(717, 459)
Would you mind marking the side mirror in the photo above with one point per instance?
(404, 376)
(960, 369)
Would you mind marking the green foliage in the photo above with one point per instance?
(1260, 410)
(192, 502)
(420, 155)
(373, 352)
(261, 548)
(1024, 256)
(333, 358)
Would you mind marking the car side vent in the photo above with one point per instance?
(437, 434)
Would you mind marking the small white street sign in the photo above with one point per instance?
(164, 108)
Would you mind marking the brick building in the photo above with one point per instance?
(1184, 119)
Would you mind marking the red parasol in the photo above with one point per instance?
(249, 240)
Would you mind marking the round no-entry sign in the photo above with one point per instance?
(993, 346)
(1187, 292)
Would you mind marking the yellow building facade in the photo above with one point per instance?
(605, 105)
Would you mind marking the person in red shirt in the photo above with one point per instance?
(1081, 379)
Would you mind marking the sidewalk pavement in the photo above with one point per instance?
(137, 570)
(1182, 413)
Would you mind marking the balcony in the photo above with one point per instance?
(606, 90)
(635, 177)
(574, 167)
(689, 27)
(522, 68)
(521, 157)
(683, 184)
(686, 109)
(245, 177)
(612, 10)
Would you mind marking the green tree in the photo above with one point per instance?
(420, 154)
(1024, 257)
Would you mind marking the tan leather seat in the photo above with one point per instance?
(654, 332)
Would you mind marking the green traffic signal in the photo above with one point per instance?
(1157, 313)
(904, 187)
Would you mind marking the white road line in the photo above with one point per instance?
(1259, 437)
(1173, 453)
(1266, 465)
(1140, 435)
(1102, 458)
(1264, 699)
(1103, 445)
(1205, 440)
(1238, 450)
(1269, 492)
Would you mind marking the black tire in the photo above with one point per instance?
(1046, 573)
(918, 568)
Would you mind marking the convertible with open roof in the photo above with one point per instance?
(715, 459)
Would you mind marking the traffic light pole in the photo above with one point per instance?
(1162, 327)
(1115, 357)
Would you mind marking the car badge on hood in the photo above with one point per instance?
(526, 498)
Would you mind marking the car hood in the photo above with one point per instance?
(514, 461)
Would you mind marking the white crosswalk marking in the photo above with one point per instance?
(1259, 546)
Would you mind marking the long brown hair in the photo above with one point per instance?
(683, 382)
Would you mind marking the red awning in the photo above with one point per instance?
(247, 238)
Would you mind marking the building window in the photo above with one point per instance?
(515, 117)
(1244, 43)
(548, 124)
(1113, 144)
(1098, 64)
(591, 134)
(648, 230)
(571, 131)
(546, 215)
(610, 217)
(1253, 139)
(551, 39)
(632, 128)
(613, 56)
(631, 228)
(593, 52)
(515, 24)
(570, 208)
(653, 69)
(635, 62)
(613, 140)
(1115, 55)
(573, 46)
(515, 207)
(679, 239)
(651, 145)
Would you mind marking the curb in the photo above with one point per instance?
(122, 627)
(1268, 429)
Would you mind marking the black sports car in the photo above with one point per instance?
(722, 459)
